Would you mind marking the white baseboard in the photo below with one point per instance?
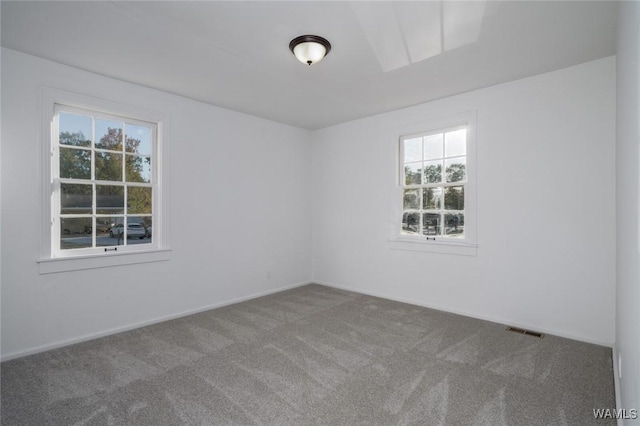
(468, 314)
(92, 336)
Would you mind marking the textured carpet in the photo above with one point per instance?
(313, 355)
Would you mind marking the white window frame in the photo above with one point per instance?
(397, 240)
(52, 259)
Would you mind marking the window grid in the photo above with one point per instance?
(433, 179)
(104, 230)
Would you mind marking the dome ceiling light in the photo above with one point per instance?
(310, 49)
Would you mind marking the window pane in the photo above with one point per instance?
(76, 198)
(138, 169)
(411, 199)
(75, 163)
(116, 232)
(431, 198)
(454, 198)
(107, 231)
(109, 199)
(455, 143)
(138, 200)
(108, 166)
(454, 225)
(104, 224)
(431, 224)
(433, 147)
(75, 233)
(412, 150)
(456, 169)
(147, 222)
(108, 134)
(138, 139)
(413, 174)
(433, 172)
(410, 223)
(74, 129)
(139, 230)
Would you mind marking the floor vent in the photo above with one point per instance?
(523, 331)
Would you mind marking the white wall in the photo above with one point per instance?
(628, 202)
(546, 207)
(242, 216)
(239, 210)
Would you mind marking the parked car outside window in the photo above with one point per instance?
(133, 230)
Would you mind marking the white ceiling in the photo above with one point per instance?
(235, 54)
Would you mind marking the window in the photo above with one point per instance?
(434, 178)
(104, 181)
(436, 203)
(102, 184)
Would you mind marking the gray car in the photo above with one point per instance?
(133, 230)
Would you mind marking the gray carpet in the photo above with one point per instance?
(313, 355)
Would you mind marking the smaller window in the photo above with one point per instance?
(435, 198)
(433, 179)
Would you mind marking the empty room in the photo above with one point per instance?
(320, 212)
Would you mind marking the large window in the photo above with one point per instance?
(434, 180)
(103, 169)
(104, 179)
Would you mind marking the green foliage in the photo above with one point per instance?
(139, 200)
(411, 198)
(76, 164)
(108, 166)
(456, 172)
(454, 198)
(433, 173)
(111, 141)
(134, 167)
(431, 198)
(412, 177)
(74, 139)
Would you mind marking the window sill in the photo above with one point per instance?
(65, 264)
(442, 247)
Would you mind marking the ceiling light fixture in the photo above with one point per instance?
(310, 49)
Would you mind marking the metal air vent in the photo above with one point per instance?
(523, 331)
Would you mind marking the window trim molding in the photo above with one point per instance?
(398, 241)
(77, 263)
(47, 261)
